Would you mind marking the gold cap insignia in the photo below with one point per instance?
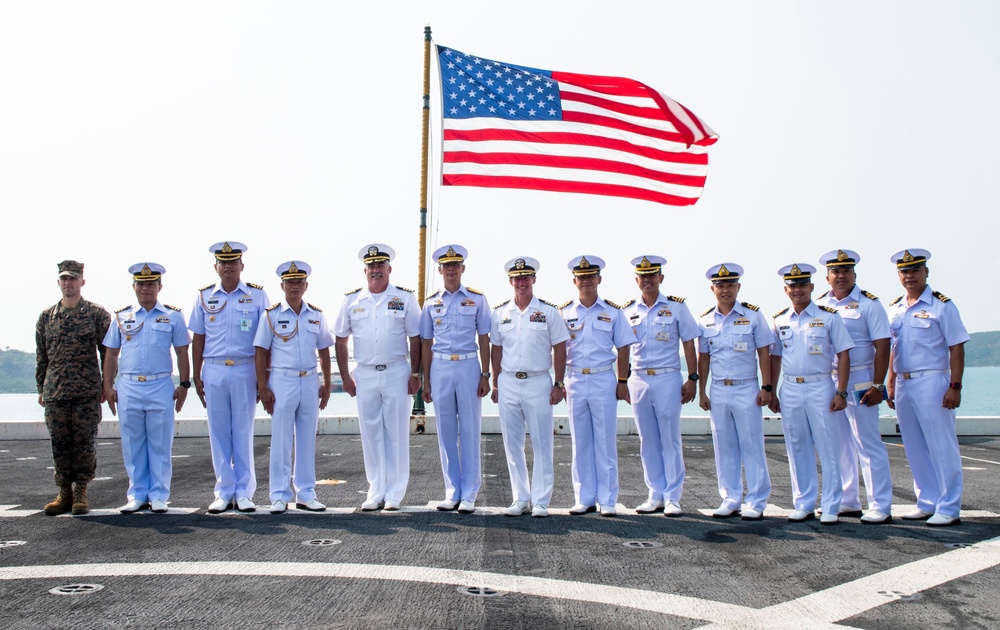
(146, 271)
(723, 272)
(795, 270)
(292, 268)
(227, 248)
(841, 256)
(645, 264)
(373, 251)
(519, 263)
(907, 256)
(450, 252)
(584, 263)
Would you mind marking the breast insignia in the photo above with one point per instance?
(501, 304)
(276, 305)
(629, 303)
(354, 291)
(896, 301)
(750, 306)
(207, 286)
(476, 291)
(254, 285)
(829, 309)
(942, 296)
(868, 295)
(315, 308)
(674, 298)
(707, 312)
(781, 312)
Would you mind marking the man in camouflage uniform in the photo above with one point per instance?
(68, 341)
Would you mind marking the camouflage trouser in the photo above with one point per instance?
(72, 424)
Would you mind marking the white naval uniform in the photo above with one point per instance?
(525, 387)
(145, 389)
(596, 334)
(921, 337)
(860, 437)
(732, 342)
(807, 343)
(655, 389)
(295, 384)
(382, 325)
(455, 321)
(229, 323)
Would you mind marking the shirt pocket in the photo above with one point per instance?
(817, 341)
(712, 336)
(360, 321)
(160, 334)
(922, 330)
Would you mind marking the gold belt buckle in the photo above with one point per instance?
(585, 371)
(301, 374)
(727, 381)
(906, 375)
(800, 379)
(141, 379)
(521, 375)
(454, 357)
(230, 362)
(651, 372)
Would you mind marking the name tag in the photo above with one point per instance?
(740, 346)
(815, 349)
(162, 320)
(246, 300)
(245, 324)
(663, 336)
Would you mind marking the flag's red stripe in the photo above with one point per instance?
(622, 125)
(560, 137)
(618, 86)
(531, 183)
(578, 163)
(653, 112)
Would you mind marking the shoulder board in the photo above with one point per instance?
(942, 296)
(124, 308)
(547, 302)
(629, 303)
(273, 306)
(750, 306)
(896, 301)
(829, 309)
(674, 298)
(436, 293)
(354, 291)
(869, 295)
(500, 304)
(476, 291)
(173, 308)
(255, 285)
(612, 304)
(707, 312)
(565, 304)
(781, 312)
(404, 289)
(824, 295)
(314, 307)
(207, 286)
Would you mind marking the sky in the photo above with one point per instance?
(139, 131)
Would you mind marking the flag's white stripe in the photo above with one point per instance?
(575, 150)
(636, 101)
(589, 108)
(568, 175)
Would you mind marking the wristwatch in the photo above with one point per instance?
(956, 386)
(559, 384)
(185, 384)
(693, 377)
(843, 394)
(485, 375)
(767, 388)
(881, 388)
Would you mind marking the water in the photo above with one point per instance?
(980, 397)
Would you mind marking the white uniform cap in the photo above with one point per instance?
(521, 266)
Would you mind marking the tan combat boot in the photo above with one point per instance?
(62, 503)
(80, 505)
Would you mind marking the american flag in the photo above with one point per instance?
(510, 126)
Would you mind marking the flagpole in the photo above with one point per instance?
(418, 402)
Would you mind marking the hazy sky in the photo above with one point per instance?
(137, 131)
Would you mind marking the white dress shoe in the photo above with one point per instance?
(539, 511)
(829, 519)
(797, 516)
(311, 505)
(943, 520)
(391, 506)
(672, 509)
(649, 506)
(608, 510)
(580, 508)
(725, 512)
(372, 504)
(917, 515)
(517, 508)
(750, 514)
(133, 506)
(245, 504)
(219, 506)
(278, 507)
(875, 517)
(158, 506)
(466, 507)
(447, 506)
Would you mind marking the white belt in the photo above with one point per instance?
(908, 375)
(455, 357)
(524, 375)
(597, 370)
(733, 381)
(230, 362)
(808, 378)
(855, 368)
(299, 373)
(654, 371)
(381, 367)
(142, 378)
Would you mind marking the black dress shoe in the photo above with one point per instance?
(851, 513)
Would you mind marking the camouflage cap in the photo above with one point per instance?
(70, 268)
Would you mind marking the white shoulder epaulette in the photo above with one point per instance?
(750, 306)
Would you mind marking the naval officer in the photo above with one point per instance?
(663, 325)
(734, 341)
(860, 437)
(596, 354)
(808, 337)
(383, 320)
(528, 338)
(455, 329)
(138, 349)
(925, 388)
(292, 334)
(223, 324)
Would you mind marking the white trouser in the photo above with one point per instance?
(458, 411)
(738, 438)
(524, 404)
(384, 412)
(296, 413)
(810, 428)
(656, 404)
(593, 417)
(860, 439)
(146, 422)
(231, 398)
(930, 442)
